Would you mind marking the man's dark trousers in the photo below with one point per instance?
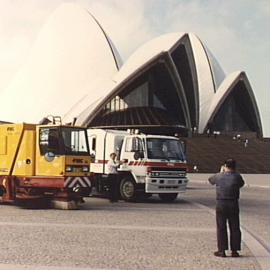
(228, 210)
(113, 186)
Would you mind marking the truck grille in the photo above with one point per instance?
(168, 173)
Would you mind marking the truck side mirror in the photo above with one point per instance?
(138, 154)
(184, 147)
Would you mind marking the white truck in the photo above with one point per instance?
(155, 164)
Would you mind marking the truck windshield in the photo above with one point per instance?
(74, 141)
(63, 141)
(169, 149)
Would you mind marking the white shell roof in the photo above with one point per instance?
(71, 51)
(217, 71)
(82, 109)
(147, 52)
(141, 57)
(208, 71)
(226, 87)
(204, 76)
(219, 97)
(73, 71)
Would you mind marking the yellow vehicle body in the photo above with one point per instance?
(34, 162)
(17, 145)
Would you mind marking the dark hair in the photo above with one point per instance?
(113, 154)
(230, 163)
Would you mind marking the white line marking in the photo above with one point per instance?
(126, 208)
(107, 227)
(258, 250)
(256, 186)
(37, 267)
(245, 186)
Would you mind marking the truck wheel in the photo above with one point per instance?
(167, 197)
(128, 189)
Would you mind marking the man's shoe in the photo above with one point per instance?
(235, 254)
(220, 253)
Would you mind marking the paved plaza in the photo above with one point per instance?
(145, 235)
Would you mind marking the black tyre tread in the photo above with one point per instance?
(132, 198)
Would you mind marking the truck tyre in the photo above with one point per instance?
(167, 197)
(128, 189)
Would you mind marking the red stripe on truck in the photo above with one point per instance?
(150, 164)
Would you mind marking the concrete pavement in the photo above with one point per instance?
(259, 247)
(251, 180)
(146, 235)
(101, 235)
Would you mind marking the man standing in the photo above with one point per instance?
(113, 180)
(228, 183)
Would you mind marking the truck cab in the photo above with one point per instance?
(154, 164)
(44, 161)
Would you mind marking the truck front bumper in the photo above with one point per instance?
(168, 185)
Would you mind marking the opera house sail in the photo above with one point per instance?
(171, 84)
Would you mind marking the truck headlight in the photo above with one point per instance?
(68, 169)
(85, 169)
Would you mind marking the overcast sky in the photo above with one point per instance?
(237, 32)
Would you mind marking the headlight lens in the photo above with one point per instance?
(68, 169)
(154, 174)
(85, 169)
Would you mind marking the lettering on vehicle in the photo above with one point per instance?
(77, 160)
(10, 128)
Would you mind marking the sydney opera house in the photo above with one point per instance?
(171, 84)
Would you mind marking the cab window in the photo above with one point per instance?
(49, 141)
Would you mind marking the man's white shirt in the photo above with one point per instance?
(112, 167)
